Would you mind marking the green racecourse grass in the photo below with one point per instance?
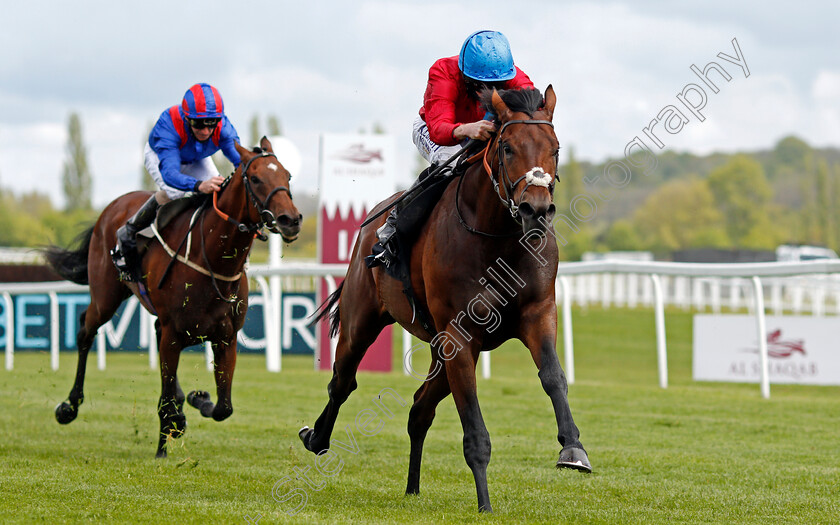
(692, 453)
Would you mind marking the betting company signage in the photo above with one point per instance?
(129, 331)
(356, 172)
(800, 350)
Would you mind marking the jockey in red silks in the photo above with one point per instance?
(452, 114)
(177, 156)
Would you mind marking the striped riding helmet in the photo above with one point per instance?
(203, 101)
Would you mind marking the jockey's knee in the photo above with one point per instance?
(161, 197)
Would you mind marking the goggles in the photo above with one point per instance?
(201, 123)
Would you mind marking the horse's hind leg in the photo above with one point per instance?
(540, 338)
(97, 313)
(224, 359)
(426, 399)
(357, 332)
(67, 411)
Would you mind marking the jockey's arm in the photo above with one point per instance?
(480, 130)
(170, 167)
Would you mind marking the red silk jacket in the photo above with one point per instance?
(446, 103)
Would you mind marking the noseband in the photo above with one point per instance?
(267, 219)
(509, 186)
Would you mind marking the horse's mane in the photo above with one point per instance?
(528, 100)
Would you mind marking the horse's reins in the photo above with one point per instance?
(508, 185)
(434, 173)
(267, 219)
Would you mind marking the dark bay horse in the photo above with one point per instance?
(204, 296)
(484, 269)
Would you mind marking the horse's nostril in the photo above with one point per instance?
(288, 221)
(526, 210)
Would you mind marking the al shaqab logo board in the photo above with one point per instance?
(780, 348)
(358, 154)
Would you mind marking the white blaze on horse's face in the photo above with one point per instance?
(536, 176)
(272, 166)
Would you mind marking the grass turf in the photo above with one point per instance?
(692, 453)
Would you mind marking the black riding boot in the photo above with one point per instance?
(384, 251)
(125, 255)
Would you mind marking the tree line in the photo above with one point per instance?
(758, 200)
(32, 220)
(749, 200)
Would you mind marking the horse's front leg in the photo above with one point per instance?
(539, 333)
(173, 422)
(460, 370)
(224, 362)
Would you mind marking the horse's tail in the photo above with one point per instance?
(72, 264)
(330, 307)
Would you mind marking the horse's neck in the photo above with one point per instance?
(223, 237)
(481, 206)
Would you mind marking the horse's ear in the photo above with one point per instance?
(501, 109)
(244, 154)
(550, 101)
(265, 144)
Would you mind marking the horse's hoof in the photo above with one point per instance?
(161, 454)
(575, 459)
(177, 426)
(305, 435)
(65, 412)
(196, 398)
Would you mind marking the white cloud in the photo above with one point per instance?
(336, 67)
(826, 121)
(27, 158)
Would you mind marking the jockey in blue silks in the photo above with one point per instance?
(177, 156)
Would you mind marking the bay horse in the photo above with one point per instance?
(204, 297)
(484, 270)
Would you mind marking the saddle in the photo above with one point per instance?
(410, 221)
(165, 215)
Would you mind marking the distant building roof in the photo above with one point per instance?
(717, 255)
(618, 255)
(20, 256)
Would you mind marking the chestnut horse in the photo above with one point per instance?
(484, 270)
(202, 297)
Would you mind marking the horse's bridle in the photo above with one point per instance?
(267, 218)
(509, 185)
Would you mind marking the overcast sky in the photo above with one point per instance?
(338, 67)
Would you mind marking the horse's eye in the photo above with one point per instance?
(255, 179)
(508, 151)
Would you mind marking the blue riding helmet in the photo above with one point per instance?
(486, 56)
(203, 101)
